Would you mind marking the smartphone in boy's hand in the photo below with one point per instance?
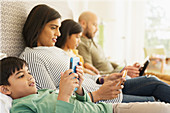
(74, 61)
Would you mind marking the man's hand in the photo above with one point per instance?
(137, 65)
(133, 71)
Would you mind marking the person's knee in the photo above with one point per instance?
(153, 78)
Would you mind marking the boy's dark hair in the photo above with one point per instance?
(68, 27)
(8, 66)
(38, 17)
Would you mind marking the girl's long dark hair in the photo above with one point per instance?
(68, 27)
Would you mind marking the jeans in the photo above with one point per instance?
(145, 88)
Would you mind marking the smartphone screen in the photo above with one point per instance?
(74, 61)
(143, 68)
(123, 76)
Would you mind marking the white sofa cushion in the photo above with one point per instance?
(5, 103)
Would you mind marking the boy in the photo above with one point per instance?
(17, 82)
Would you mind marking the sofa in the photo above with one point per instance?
(13, 14)
(163, 77)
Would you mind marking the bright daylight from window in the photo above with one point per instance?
(157, 32)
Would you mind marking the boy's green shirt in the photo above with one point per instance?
(45, 101)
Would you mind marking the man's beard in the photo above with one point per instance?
(88, 34)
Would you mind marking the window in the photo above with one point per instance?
(157, 32)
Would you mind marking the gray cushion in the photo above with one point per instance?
(13, 15)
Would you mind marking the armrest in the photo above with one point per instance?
(156, 58)
(162, 60)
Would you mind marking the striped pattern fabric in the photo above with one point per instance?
(46, 65)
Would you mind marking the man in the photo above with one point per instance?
(93, 54)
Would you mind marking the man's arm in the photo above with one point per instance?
(91, 67)
(114, 65)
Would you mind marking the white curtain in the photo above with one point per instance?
(134, 30)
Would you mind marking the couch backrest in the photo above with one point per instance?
(13, 14)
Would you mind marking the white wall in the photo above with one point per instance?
(123, 24)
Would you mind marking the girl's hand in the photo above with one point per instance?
(68, 83)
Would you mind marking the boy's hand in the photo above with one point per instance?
(67, 85)
(79, 71)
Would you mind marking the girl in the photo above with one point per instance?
(71, 32)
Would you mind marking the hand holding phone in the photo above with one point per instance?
(74, 61)
(123, 76)
(143, 68)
